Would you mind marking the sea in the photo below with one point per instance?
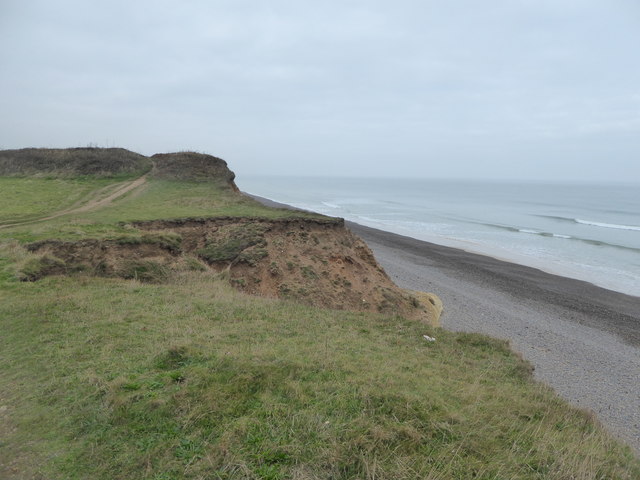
(588, 232)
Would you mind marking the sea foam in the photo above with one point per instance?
(607, 225)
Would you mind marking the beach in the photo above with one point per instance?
(583, 340)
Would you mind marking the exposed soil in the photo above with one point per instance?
(314, 261)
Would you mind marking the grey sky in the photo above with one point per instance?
(534, 89)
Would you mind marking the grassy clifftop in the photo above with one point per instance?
(90, 192)
(143, 356)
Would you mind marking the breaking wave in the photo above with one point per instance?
(588, 241)
(331, 205)
(607, 225)
(593, 223)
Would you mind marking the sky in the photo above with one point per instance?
(517, 89)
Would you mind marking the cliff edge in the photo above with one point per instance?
(308, 258)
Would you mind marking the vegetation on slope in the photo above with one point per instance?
(73, 162)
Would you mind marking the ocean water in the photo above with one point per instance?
(589, 232)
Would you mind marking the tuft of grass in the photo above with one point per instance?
(145, 271)
(169, 240)
(194, 264)
(231, 243)
(309, 272)
(37, 267)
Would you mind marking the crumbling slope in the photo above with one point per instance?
(314, 261)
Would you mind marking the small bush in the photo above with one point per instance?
(233, 242)
(145, 271)
(38, 267)
(252, 256)
(169, 241)
(194, 264)
(174, 358)
(308, 272)
(274, 270)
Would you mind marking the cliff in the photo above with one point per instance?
(307, 258)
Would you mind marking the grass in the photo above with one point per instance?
(72, 162)
(238, 239)
(171, 199)
(108, 378)
(28, 198)
(157, 199)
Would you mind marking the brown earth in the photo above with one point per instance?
(314, 261)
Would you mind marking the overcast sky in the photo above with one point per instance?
(530, 89)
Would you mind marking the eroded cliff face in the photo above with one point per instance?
(314, 261)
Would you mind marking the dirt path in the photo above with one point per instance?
(93, 203)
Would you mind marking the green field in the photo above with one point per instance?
(27, 199)
(106, 378)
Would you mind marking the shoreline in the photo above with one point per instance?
(583, 340)
(523, 230)
(500, 254)
(608, 310)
